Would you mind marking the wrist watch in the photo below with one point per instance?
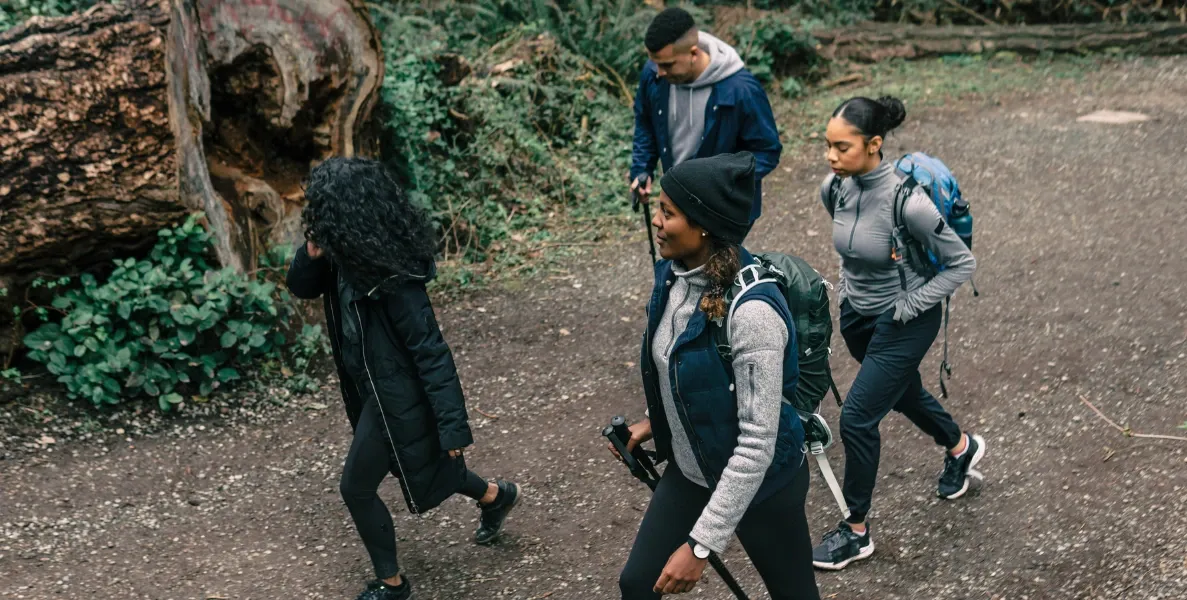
(699, 550)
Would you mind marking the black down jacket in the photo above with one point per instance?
(387, 346)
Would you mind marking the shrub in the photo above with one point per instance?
(165, 327)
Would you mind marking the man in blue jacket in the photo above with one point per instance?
(697, 100)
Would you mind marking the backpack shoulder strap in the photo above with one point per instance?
(901, 195)
(834, 188)
(748, 277)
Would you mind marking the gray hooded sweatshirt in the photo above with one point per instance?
(862, 228)
(758, 338)
(687, 103)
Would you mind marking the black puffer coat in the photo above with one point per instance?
(387, 346)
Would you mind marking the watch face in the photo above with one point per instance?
(700, 551)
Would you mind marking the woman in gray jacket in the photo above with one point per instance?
(889, 318)
(733, 446)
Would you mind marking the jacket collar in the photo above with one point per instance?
(664, 280)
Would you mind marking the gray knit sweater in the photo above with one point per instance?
(758, 337)
(862, 227)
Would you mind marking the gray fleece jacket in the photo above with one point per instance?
(862, 229)
(686, 103)
(758, 337)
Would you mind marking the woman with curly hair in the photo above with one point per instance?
(736, 446)
(369, 253)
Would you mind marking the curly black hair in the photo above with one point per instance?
(357, 212)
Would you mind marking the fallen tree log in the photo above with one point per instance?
(875, 42)
(117, 122)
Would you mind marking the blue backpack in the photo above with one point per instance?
(936, 179)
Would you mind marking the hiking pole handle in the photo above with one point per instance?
(627, 458)
(638, 453)
(637, 462)
(618, 424)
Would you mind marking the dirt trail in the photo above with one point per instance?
(1080, 236)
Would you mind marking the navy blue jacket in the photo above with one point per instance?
(701, 383)
(737, 117)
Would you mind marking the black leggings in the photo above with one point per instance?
(889, 353)
(773, 533)
(367, 464)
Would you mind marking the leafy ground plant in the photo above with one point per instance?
(166, 327)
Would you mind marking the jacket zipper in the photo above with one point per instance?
(391, 441)
(334, 336)
(691, 434)
(750, 379)
(679, 401)
(672, 344)
(856, 218)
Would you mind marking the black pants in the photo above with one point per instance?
(889, 353)
(367, 464)
(773, 533)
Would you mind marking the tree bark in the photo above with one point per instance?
(872, 43)
(119, 121)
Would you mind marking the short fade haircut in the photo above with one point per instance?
(667, 28)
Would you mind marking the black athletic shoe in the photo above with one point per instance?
(378, 590)
(954, 480)
(840, 547)
(495, 514)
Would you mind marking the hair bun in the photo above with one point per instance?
(894, 113)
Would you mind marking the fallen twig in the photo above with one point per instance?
(544, 595)
(485, 414)
(850, 78)
(1127, 432)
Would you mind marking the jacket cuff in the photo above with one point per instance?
(453, 440)
(636, 173)
(903, 312)
(706, 538)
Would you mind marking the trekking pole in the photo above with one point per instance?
(636, 202)
(642, 467)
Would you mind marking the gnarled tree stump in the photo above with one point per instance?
(117, 122)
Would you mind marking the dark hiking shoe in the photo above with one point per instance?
(840, 547)
(495, 514)
(954, 480)
(378, 590)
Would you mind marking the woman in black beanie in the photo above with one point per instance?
(736, 448)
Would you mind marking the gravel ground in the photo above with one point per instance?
(1078, 230)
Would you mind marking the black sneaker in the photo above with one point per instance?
(954, 480)
(840, 547)
(495, 514)
(378, 590)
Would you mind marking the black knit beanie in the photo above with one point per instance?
(716, 193)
